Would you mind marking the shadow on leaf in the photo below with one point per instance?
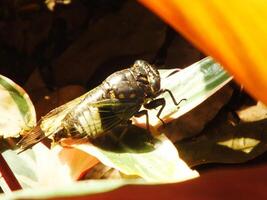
(134, 140)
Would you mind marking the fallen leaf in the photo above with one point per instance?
(223, 142)
(253, 113)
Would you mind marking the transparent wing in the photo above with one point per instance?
(112, 112)
(51, 120)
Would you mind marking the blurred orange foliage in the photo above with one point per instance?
(232, 32)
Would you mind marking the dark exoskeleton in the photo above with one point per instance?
(112, 103)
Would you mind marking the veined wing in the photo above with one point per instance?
(95, 118)
(49, 124)
(112, 112)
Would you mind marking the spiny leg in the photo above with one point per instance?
(142, 113)
(156, 103)
(172, 97)
(162, 102)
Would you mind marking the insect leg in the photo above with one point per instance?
(140, 114)
(156, 103)
(172, 97)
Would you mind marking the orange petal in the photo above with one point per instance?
(77, 160)
(63, 164)
(233, 32)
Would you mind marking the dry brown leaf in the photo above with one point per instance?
(253, 113)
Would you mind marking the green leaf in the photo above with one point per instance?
(17, 114)
(40, 166)
(23, 167)
(137, 153)
(156, 160)
(16, 109)
(195, 83)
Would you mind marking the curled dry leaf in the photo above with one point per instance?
(223, 142)
(193, 122)
(253, 113)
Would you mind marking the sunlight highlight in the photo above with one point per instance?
(245, 145)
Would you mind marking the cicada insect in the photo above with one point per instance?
(112, 103)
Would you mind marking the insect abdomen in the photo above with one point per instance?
(83, 122)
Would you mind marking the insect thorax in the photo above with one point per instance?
(137, 83)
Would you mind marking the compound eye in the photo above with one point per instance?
(155, 84)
